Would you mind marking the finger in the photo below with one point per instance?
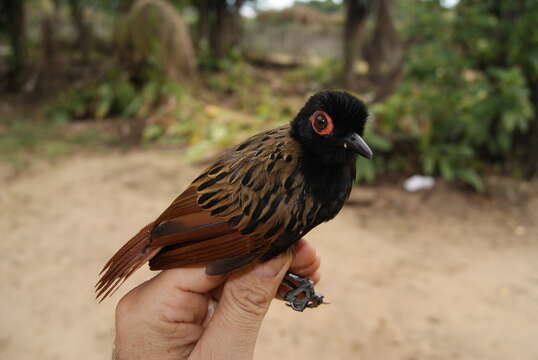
(191, 279)
(306, 262)
(315, 277)
(216, 293)
(184, 293)
(245, 299)
(165, 314)
(177, 295)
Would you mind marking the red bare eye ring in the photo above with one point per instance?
(321, 122)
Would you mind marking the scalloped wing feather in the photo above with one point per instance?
(229, 216)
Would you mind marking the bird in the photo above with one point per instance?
(257, 199)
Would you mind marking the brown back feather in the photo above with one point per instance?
(228, 217)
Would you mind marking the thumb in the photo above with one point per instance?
(244, 301)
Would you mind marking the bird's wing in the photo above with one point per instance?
(232, 213)
(229, 216)
(187, 233)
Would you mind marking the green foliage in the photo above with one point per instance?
(22, 140)
(209, 127)
(324, 74)
(462, 109)
(227, 63)
(143, 77)
(114, 96)
(326, 6)
(228, 75)
(462, 103)
(369, 170)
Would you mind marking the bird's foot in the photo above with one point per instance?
(301, 294)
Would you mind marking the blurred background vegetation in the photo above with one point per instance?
(452, 85)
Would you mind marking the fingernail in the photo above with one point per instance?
(271, 268)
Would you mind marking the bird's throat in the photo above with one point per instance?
(330, 184)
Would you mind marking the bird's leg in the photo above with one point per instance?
(301, 294)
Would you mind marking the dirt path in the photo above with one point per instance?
(443, 275)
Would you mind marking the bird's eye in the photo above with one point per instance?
(321, 122)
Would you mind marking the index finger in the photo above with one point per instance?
(189, 279)
(306, 262)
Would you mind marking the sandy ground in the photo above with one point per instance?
(437, 275)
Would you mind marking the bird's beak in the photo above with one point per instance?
(356, 144)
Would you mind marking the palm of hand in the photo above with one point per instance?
(185, 314)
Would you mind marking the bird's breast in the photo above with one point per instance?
(330, 187)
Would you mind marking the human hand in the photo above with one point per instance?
(186, 314)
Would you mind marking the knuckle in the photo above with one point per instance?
(317, 263)
(310, 267)
(250, 299)
(124, 309)
(124, 306)
(313, 265)
(128, 303)
(181, 307)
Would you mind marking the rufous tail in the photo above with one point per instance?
(127, 260)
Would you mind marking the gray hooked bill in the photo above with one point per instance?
(356, 143)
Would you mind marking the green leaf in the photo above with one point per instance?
(153, 131)
(103, 107)
(377, 141)
(446, 169)
(366, 170)
(471, 177)
(428, 164)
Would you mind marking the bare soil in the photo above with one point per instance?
(441, 274)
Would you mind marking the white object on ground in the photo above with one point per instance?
(418, 182)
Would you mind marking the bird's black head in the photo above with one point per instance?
(330, 126)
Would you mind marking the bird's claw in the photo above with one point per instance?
(301, 304)
(302, 294)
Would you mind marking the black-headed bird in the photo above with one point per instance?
(257, 200)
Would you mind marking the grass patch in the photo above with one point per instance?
(22, 141)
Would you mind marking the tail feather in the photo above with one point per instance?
(127, 260)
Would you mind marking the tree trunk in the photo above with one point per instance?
(356, 14)
(234, 26)
(125, 6)
(531, 137)
(383, 50)
(50, 67)
(16, 29)
(530, 141)
(222, 20)
(82, 29)
(389, 82)
(203, 25)
(218, 28)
